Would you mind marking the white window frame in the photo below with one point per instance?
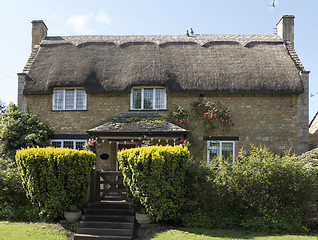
(143, 97)
(54, 107)
(69, 140)
(219, 150)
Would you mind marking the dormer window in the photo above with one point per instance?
(69, 99)
(148, 98)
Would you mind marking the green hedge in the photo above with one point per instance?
(54, 178)
(154, 177)
(262, 192)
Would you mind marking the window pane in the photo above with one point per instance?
(56, 144)
(227, 151)
(148, 98)
(79, 145)
(58, 96)
(213, 150)
(80, 99)
(136, 98)
(160, 98)
(68, 144)
(69, 99)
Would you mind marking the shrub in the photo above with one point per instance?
(11, 190)
(54, 178)
(26, 213)
(263, 192)
(14, 205)
(309, 160)
(20, 130)
(280, 186)
(154, 177)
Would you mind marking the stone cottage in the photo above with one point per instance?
(118, 88)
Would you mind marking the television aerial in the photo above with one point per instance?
(273, 5)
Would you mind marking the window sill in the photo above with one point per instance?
(147, 110)
(73, 110)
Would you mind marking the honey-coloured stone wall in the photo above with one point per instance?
(269, 120)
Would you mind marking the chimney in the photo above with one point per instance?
(285, 28)
(39, 31)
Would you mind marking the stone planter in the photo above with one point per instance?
(72, 216)
(142, 218)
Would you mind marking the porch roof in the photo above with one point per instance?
(138, 123)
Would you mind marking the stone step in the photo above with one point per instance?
(107, 211)
(106, 231)
(109, 205)
(108, 225)
(79, 236)
(108, 218)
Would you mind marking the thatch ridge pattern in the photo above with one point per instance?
(197, 64)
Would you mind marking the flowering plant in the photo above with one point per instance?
(179, 115)
(208, 111)
(211, 111)
(184, 142)
(91, 144)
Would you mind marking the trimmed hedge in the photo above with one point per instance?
(54, 178)
(154, 177)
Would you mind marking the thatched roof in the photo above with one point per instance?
(138, 123)
(195, 64)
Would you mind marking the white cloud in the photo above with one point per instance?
(87, 23)
(79, 22)
(103, 18)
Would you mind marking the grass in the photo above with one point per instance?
(31, 231)
(215, 234)
(45, 231)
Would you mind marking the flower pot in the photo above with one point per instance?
(72, 216)
(143, 218)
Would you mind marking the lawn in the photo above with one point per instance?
(31, 231)
(217, 234)
(45, 231)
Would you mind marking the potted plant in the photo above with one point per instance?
(142, 217)
(91, 145)
(140, 213)
(73, 213)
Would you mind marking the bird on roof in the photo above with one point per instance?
(191, 31)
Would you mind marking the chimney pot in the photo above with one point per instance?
(285, 28)
(39, 31)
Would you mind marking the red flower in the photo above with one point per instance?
(181, 122)
(215, 114)
(181, 140)
(174, 119)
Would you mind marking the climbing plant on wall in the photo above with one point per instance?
(210, 112)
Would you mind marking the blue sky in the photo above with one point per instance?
(150, 17)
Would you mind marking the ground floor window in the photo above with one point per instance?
(221, 148)
(68, 143)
